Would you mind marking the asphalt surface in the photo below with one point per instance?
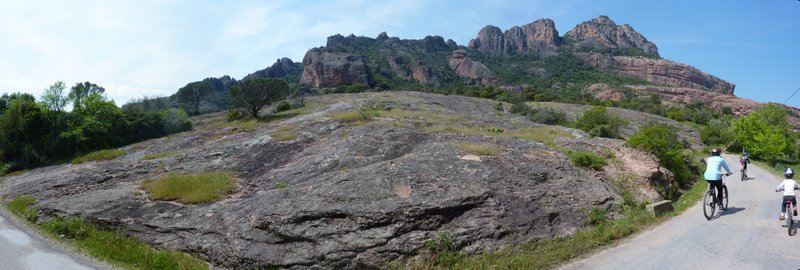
(22, 250)
(746, 236)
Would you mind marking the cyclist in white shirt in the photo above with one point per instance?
(788, 186)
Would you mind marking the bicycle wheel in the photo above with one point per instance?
(708, 204)
(789, 221)
(724, 203)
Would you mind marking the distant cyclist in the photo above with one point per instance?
(713, 174)
(788, 186)
(743, 160)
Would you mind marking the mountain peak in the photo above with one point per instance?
(602, 34)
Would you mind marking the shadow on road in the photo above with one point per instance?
(731, 211)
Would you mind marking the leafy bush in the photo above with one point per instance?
(717, 132)
(766, 134)
(234, 114)
(283, 106)
(3, 168)
(597, 216)
(99, 155)
(659, 140)
(190, 189)
(176, 120)
(549, 117)
(22, 206)
(586, 159)
(598, 122)
(443, 242)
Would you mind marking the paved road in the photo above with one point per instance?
(746, 236)
(21, 250)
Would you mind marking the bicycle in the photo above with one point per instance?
(744, 174)
(789, 218)
(710, 200)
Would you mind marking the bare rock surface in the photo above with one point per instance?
(327, 68)
(539, 37)
(355, 195)
(465, 67)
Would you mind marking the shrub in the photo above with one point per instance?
(72, 228)
(596, 216)
(443, 242)
(3, 168)
(99, 155)
(234, 114)
(22, 206)
(190, 189)
(599, 123)
(176, 120)
(586, 159)
(659, 140)
(283, 106)
(548, 116)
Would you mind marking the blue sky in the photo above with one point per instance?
(152, 48)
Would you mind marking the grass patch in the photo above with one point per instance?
(99, 155)
(350, 117)
(285, 133)
(480, 149)
(190, 189)
(14, 173)
(22, 206)
(544, 135)
(586, 160)
(280, 185)
(246, 125)
(162, 155)
(112, 247)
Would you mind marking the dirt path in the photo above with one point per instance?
(746, 236)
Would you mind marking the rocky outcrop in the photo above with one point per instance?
(539, 37)
(326, 68)
(282, 68)
(221, 84)
(355, 196)
(465, 67)
(659, 71)
(603, 34)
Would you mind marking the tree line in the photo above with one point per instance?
(38, 132)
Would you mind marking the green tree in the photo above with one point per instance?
(765, 133)
(598, 122)
(256, 93)
(53, 98)
(659, 140)
(194, 94)
(81, 91)
(6, 99)
(23, 134)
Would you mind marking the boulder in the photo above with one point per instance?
(467, 68)
(326, 68)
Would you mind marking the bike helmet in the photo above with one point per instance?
(716, 151)
(788, 172)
